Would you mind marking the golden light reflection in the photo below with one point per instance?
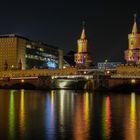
(130, 126)
(81, 120)
(133, 117)
(86, 111)
(62, 93)
(22, 112)
(78, 121)
(52, 97)
(52, 107)
(106, 120)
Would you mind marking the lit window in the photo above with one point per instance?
(41, 49)
(28, 46)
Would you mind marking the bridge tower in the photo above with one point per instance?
(82, 57)
(132, 54)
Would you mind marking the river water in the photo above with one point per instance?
(68, 114)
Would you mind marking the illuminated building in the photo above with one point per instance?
(17, 52)
(82, 57)
(132, 54)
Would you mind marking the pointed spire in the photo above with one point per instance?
(135, 29)
(83, 36)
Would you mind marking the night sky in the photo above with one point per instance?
(59, 23)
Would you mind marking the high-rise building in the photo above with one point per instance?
(82, 57)
(18, 52)
(132, 54)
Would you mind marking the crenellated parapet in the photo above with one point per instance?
(37, 72)
(128, 70)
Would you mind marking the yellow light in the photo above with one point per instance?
(87, 77)
(108, 72)
(52, 97)
(87, 109)
(133, 81)
(132, 133)
(12, 66)
(22, 112)
(11, 120)
(22, 81)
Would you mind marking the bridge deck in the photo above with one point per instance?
(37, 72)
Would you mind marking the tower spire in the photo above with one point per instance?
(83, 24)
(83, 36)
(135, 29)
(135, 17)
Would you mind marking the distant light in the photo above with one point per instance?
(85, 72)
(12, 66)
(106, 61)
(28, 46)
(87, 77)
(133, 81)
(22, 81)
(108, 72)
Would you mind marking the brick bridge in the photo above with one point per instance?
(117, 82)
(32, 79)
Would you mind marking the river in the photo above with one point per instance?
(68, 114)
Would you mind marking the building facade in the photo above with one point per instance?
(82, 58)
(17, 52)
(132, 54)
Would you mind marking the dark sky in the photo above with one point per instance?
(59, 23)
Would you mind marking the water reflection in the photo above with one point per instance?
(62, 106)
(64, 114)
(81, 119)
(132, 122)
(106, 118)
(22, 113)
(133, 111)
(49, 115)
(86, 113)
(12, 115)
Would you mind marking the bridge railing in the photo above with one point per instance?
(125, 76)
(38, 72)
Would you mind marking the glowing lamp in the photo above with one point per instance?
(22, 81)
(133, 81)
(108, 72)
